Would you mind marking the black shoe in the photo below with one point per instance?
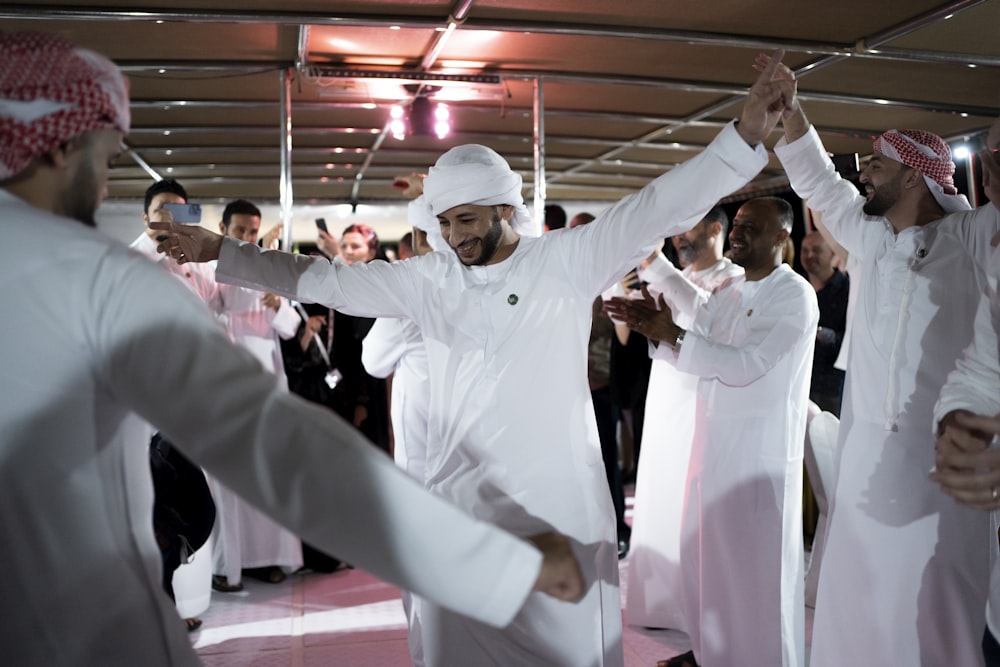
(623, 547)
(682, 660)
(221, 584)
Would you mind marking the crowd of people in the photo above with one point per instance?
(503, 516)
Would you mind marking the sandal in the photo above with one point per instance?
(221, 583)
(192, 624)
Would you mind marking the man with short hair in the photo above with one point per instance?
(893, 540)
(555, 217)
(246, 540)
(654, 582)
(750, 345)
(394, 347)
(832, 288)
(101, 338)
(405, 248)
(505, 317)
(200, 278)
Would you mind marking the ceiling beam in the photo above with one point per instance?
(864, 48)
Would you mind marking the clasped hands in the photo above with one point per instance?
(966, 467)
(648, 316)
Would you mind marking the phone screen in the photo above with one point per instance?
(188, 214)
(321, 224)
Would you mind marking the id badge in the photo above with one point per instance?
(333, 377)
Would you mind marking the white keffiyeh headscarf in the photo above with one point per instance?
(419, 215)
(474, 174)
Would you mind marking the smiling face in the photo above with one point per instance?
(691, 244)
(883, 181)
(474, 232)
(354, 247)
(242, 227)
(757, 238)
(816, 255)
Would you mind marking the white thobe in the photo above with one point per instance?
(395, 347)
(101, 334)
(244, 536)
(511, 416)
(191, 582)
(751, 345)
(654, 583)
(199, 278)
(904, 570)
(974, 385)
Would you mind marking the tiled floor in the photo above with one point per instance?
(345, 619)
(348, 618)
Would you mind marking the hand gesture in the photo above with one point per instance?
(327, 244)
(188, 243)
(630, 282)
(647, 316)
(771, 96)
(271, 238)
(560, 575)
(792, 117)
(966, 467)
(412, 184)
(315, 323)
(272, 301)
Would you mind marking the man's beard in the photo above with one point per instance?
(883, 198)
(688, 254)
(80, 205)
(490, 242)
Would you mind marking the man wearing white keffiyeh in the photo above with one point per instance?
(505, 317)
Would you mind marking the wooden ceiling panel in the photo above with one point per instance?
(628, 89)
(943, 85)
(843, 21)
(973, 30)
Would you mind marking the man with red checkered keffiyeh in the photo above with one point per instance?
(905, 571)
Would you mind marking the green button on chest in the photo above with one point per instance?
(512, 299)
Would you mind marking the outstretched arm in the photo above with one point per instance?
(188, 243)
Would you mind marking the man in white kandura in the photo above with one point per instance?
(395, 347)
(904, 570)
(245, 538)
(506, 321)
(654, 580)
(967, 414)
(751, 347)
(102, 338)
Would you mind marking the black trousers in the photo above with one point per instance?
(991, 649)
(607, 423)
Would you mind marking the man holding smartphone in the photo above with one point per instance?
(199, 278)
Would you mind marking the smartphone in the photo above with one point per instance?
(188, 214)
(321, 225)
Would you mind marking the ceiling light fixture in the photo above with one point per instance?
(422, 117)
